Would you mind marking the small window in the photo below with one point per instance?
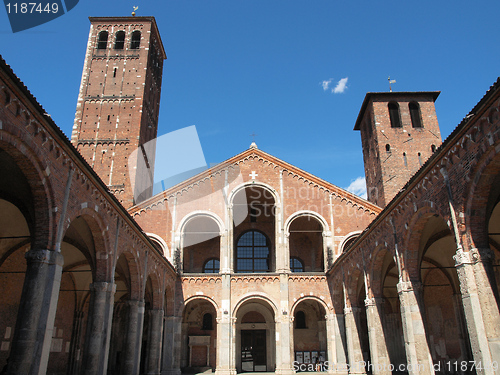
(120, 40)
(420, 158)
(102, 41)
(300, 320)
(296, 265)
(433, 148)
(114, 72)
(394, 115)
(7, 97)
(207, 322)
(404, 159)
(416, 120)
(388, 148)
(211, 266)
(136, 40)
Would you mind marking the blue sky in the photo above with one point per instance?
(251, 66)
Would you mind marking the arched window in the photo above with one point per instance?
(296, 265)
(211, 266)
(300, 320)
(120, 40)
(420, 158)
(394, 115)
(404, 159)
(102, 40)
(433, 148)
(388, 147)
(207, 322)
(252, 252)
(416, 120)
(135, 41)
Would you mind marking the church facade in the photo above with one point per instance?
(253, 265)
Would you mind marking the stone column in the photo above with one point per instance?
(354, 350)
(96, 349)
(36, 314)
(171, 346)
(380, 361)
(134, 338)
(418, 355)
(480, 306)
(336, 344)
(154, 342)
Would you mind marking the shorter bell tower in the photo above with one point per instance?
(399, 132)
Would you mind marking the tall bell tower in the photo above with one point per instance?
(399, 132)
(116, 117)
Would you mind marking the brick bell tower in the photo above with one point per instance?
(118, 105)
(399, 132)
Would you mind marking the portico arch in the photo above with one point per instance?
(255, 335)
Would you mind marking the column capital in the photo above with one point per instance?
(408, 286)
(44, 256)
(102, 286)
(473, 256)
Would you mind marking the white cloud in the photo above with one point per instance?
(326, 84)
(358, 187)
(341, 86)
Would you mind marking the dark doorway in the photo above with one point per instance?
(253, 350)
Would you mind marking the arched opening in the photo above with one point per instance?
(309, 334)
(68, 342)
(255, 337)
(199, 336)
(254, 230)
(416, 118)
(200, 243)
(306, 243)
(120, 40)
(102, 40)
(394, 115)
(444, 319)
(135, 41)
(123, 280)
(493, 211)
(14, 242)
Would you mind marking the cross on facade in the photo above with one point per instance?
(253, 175)
(253, 135)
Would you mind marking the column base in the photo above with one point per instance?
(171, 372)
(225, 371)
(284, 371)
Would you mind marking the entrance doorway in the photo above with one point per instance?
(253, 350)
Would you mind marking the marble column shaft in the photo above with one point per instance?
(354, 350)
